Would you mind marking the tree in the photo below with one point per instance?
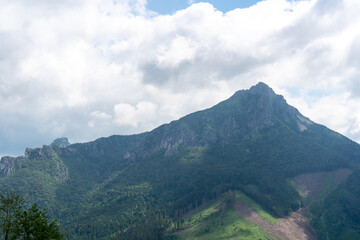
(10, 212)
(35, 225)
(31, 224)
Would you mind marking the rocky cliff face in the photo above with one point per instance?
(42, 159)
(9, 165)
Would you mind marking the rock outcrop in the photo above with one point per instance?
(9, 165)
(61, 142)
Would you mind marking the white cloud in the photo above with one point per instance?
(179, 51)
(128, 115)
(86, 69)
(100, 115)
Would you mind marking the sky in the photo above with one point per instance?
(170, 7)
(85, 69)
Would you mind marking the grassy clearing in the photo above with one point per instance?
(223, 225)
(248, 201)
(219, 221)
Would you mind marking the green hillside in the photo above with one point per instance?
(219, 220)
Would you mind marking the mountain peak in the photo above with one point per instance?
(60, 142)
(261, 88)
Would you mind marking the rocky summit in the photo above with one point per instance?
(60, 142)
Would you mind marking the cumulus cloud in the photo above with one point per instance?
(128, 115)
(87, 69)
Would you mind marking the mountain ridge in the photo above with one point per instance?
(168, 144)
(265, 103)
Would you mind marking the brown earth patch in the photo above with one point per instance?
(312, 184)
(294, 227)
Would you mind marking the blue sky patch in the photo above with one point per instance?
(170, 7)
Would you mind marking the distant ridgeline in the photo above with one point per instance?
(135, 187)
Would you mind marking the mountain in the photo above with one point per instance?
(144, 186)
